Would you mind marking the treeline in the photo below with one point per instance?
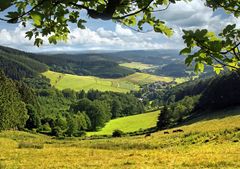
(89, 65)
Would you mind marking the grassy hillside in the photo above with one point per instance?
(144, 78)
(63, 81)
(212, 142)
(129, 123)
(131, 82)
(137, 65)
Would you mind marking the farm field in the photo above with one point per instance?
(129, 123)
(144, 78)
(126, 84)
(137, 65)
(213, 142)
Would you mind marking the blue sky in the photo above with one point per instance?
(106, 35)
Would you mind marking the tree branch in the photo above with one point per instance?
(134, 13)
(159, 10)
(214, 58)
(222, 63)
(227, 8)
(79, 6)
(136, 30)
(232, 49)
(23, 14)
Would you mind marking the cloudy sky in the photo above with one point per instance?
(106, 35)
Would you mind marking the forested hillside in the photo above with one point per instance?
(85, 64)
(189, 100)
(13, 112)
(18, 65)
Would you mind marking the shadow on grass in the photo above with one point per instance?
(211, 115)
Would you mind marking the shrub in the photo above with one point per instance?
(117, 133)
(44, 128)
(56, 131)
(80, 134)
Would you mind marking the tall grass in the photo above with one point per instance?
(209, 143)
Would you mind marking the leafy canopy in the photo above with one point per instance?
(217, 50)
(51, 18)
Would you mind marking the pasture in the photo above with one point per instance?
(132, 82)
(212, 142)
(144, 78)
(130, 123)
(137, 65)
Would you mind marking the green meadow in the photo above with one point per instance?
(132, 82)
(137, 65)
(129, 123)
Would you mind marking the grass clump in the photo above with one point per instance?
(30, 145)
(2, 166)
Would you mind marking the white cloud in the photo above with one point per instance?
(105, 33)
(122, 31)
(194, 14)
(121, 38)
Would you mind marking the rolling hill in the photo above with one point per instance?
(125, 84)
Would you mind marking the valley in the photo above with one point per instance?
(99, 111)
(119, 84)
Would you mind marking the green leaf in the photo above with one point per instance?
(13, 17)
(199, 67)
(218, 68)
(162, 28)
(37, 18)
(80, 24)
(185, 51)
(189, 60)
(216, 46)
(38, 42)
(52, 39)
(29, 34)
